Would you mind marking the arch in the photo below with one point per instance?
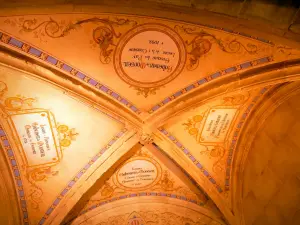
(166, 192)
(272, 101)
(271, 77)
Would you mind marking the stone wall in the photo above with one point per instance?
(271, 181)
(9, 209)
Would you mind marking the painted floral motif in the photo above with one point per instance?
(103, 36)
(146, 91)
(217, 152)
(203, 41)
(190, 125)
(214, 150)
(66, 134)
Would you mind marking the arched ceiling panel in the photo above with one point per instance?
(55, 139)
(143, 63)
(146, 174)
(207, 134)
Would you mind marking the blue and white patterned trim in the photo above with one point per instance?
(237, 133)
(45, 57)
(191, 157)
(191, 87)
(51, 60)
(183, 170)
(78, 175)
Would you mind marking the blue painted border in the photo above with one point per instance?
(42, 55)
(237, 133)
(191, 157)
(202, 81)
(83, 170)
(231, 148)
(45, 57)
(183, 170)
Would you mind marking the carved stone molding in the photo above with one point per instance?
(146, 138)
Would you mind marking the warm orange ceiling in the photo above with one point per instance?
(104, 51)
(94, 81)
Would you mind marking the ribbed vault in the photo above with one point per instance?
(134, 119)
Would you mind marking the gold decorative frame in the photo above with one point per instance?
(156, 180)
(149, 27)
(226, 135)
(52, 124)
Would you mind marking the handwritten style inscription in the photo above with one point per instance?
(149, 56)
(36, 136)
(137, 174)
(217, 125)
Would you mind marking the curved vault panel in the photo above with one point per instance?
(53, 138)
(147, 187)
(133, 58)
(207, 134)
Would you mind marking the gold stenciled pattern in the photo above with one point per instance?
(108, 33)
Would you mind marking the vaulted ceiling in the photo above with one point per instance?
(127, 118)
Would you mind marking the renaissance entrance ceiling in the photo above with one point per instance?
(123, 119)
